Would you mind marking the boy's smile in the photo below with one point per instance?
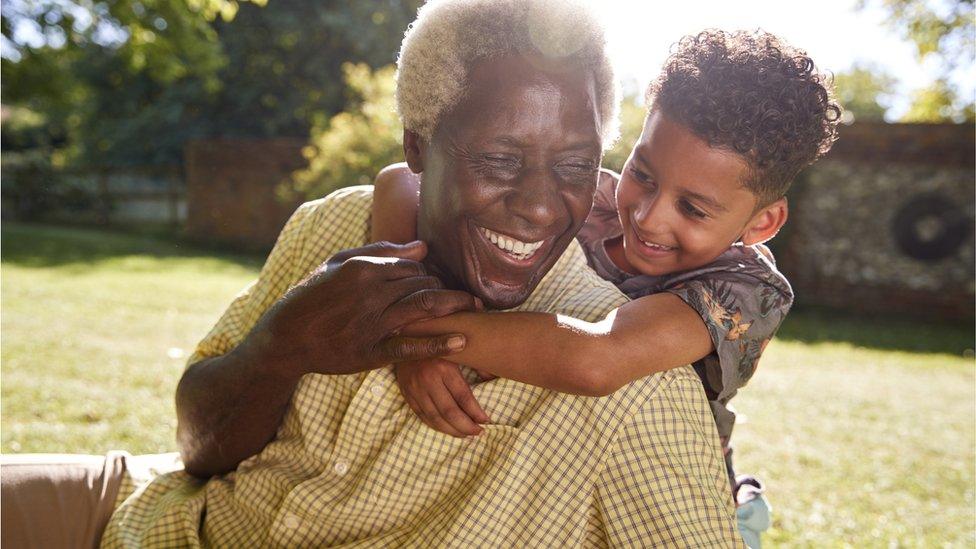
(680, 201)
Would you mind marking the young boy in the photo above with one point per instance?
(733, 118)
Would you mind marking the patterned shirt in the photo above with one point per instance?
(741, 297)
(351, 465)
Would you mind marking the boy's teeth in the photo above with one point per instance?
(655, 246)
(514, 248)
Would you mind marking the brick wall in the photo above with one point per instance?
(231, 187)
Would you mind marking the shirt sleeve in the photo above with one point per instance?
(602, 221)
(741, 313)
(280, 272)
(605, 197)
(664, 482)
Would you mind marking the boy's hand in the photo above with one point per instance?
(439, 395)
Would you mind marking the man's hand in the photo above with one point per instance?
(338, 320)
(343, 318)
(437, 393)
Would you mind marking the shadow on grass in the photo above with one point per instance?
(815, 325)
(30, 245)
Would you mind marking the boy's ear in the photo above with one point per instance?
(766, 223)
(414, 147)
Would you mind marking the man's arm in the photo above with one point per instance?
(339, 320)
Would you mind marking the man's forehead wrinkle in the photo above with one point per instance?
(457, 149)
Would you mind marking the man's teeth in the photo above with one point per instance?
(514, 248)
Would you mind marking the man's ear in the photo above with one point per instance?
(766, 223)
(414, 147)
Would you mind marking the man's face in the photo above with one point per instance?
(680, 201)
(508, 178)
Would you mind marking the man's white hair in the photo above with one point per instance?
(450, 36)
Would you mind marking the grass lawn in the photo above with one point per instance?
(863, 429)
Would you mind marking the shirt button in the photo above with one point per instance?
(341, 467)
(377, 390)
(291, 522)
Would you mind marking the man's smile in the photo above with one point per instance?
(505, 259)
(512, 246)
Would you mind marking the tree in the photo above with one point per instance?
(632, 114)
(944, 32)
(938, 103)
(113, 76)
(865, 92)
(130, 81)
(352, 146)
(941, 28)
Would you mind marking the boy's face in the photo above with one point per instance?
(681, 202)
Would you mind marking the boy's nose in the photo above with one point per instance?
(651, 216)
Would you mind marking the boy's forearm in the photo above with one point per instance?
(536, 348)
(573, 356)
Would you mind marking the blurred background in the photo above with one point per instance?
(152, 150)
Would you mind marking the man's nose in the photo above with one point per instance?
(536, 199)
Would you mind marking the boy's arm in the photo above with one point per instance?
(395, 201)
(652, 334)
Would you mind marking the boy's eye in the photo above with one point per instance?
(689, 209)
(641, 176)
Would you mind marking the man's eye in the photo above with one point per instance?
(498, 166)
(578, 169)
(502, 160)
(689, 209)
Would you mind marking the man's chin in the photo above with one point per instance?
(502, 296)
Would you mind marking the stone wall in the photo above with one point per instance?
(885, 223)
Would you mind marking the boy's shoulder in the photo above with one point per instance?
(741, 265)
(751, 262)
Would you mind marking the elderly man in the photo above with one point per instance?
(289, 405)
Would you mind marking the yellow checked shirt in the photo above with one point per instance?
(352, 466)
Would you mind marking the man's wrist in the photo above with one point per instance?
(261, 354)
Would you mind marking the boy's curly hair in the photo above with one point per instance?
(751, 93)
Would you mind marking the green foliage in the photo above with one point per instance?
(111, 76)
(285, 61)
(946, 29)
(864, 92)
(352, 146)
(938, 103)
(943, 31)
(130, 81)
(632, 114)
